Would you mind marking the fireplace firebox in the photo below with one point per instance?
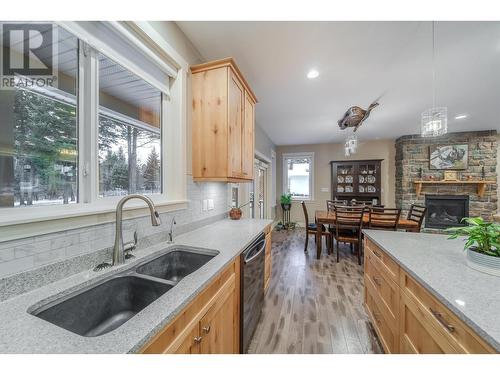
(444, 211)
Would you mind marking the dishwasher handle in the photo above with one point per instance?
(251, 258)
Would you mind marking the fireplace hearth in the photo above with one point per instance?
(444, 211)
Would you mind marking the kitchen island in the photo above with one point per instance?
(422, 297)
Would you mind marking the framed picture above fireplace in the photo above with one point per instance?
(448, 156)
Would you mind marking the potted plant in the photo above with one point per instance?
(482, 244)
(286, 201)
(235, 212)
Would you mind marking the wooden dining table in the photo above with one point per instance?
(328, 217)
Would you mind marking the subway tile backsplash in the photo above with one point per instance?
(28, 253)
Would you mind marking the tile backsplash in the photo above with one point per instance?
(32, 252)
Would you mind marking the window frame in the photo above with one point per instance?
(309, 155)
(16, 222)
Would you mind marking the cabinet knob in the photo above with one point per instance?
(206, 329)
(197, 339)
(376, 280)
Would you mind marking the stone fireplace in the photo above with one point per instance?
(445, 211)
(412, 163)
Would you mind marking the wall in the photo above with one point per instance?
(323, 154)
(412, 153)
(266, 146)
(33, 252)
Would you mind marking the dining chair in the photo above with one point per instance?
(416, 214)
(348, 226)
(312, 228)
(384, 218)
(330, 205)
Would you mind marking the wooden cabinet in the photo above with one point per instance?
(268, 259)
(356, 179)
(208, 325)
(223, 123)
(406, 316)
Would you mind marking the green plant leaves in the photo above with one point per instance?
(484, 235)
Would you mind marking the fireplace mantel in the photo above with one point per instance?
(481, 185)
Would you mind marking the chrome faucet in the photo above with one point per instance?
(120, 248)
(171, 232)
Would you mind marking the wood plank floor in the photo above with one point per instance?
(313, 306)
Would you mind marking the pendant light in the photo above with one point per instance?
(434, 121)
(351, 143)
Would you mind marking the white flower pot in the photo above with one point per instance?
(483, 263)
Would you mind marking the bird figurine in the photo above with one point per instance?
(354, 116)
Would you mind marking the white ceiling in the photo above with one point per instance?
(358, 62)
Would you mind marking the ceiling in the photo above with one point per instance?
(359, 62)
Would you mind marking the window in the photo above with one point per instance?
(129, 132)
(298, 175)
(99, 133)
(39, 134)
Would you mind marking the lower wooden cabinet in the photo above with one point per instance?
(208, 325)
(406, 316)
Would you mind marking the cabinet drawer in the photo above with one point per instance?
(390, 266)
(386, 290)
(446, 324)
(387, 336)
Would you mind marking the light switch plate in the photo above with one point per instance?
(204, 205)
(211, 204)
(325, 190)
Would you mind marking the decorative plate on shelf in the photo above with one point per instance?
(348, 179)
(340, 179)
(370, 179)
(371, 189)
(340, 189)
(348, 189)
(361, 179)
(361, 189)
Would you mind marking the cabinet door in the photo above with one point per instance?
(191, 344)
(248, 138)
(218, 326)
(416, 334)
(236, 96)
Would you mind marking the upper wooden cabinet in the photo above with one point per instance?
(223, 123)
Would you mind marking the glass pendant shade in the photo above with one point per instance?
(351, 144)
(434, 122)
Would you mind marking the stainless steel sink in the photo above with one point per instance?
(104, 306)
(175, 265)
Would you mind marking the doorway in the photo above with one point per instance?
(259, 191)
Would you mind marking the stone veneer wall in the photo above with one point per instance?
(412, 153)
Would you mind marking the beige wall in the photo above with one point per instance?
(323, 154)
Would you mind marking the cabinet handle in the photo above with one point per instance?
(376, 316)
(206, 329)
(441, 320)
(376, 280)
(377, 254)
(197, 339)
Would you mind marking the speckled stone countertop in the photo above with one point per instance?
(21, 332)
(440, 266)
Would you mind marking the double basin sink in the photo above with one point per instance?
(105, 305)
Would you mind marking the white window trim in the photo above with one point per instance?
(21, 222)
(311, 173)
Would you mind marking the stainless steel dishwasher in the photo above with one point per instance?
(252, 289)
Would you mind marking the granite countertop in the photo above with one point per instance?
(439, 265)
(21, 332)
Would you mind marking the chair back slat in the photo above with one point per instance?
(330, 205)
(417, 214)
(348, 218)
(384, 218)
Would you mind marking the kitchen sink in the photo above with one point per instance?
(104, 307)
(175, 265)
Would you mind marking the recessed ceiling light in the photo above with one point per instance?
(460, 117)
(313, 73)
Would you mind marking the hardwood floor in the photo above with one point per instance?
(313, 306)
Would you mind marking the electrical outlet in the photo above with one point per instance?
(204, 205)
(211, 204)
